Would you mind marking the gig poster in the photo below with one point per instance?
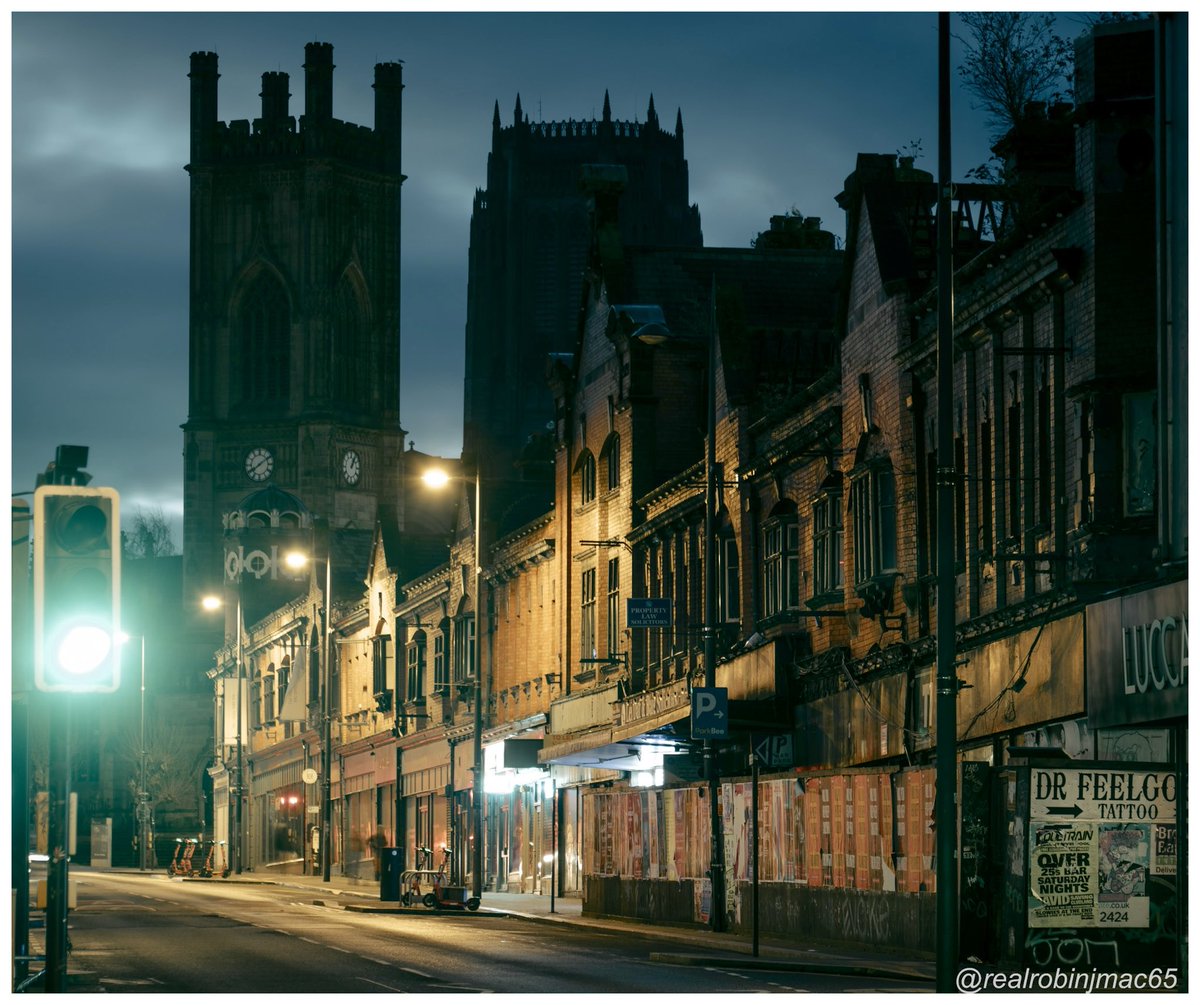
(1063, 875)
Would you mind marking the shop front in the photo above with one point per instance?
(1137, 674)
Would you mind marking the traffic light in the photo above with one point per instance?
(76, 588)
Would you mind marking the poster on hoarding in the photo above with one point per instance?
(1063, 876)
(1164, 850)
(1124, 865)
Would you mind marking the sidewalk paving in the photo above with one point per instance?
(712, 949)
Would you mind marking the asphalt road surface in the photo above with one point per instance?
(148, 933)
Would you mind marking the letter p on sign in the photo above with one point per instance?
(710, 713)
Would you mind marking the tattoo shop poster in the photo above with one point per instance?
(1089, 875)
(1062, 874)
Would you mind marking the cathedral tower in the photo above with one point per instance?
(295, 308)
(529, 244)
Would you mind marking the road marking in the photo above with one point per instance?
(131, 981)
(378, 984)
(416, 972)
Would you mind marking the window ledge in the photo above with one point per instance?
(826, 599)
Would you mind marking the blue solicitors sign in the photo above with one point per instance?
(648, 612)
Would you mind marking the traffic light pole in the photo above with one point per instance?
(711, 763)
(59, 842)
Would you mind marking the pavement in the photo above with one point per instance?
(683, 945)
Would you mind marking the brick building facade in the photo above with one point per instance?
(1071, 569)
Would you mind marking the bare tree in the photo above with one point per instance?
(1013, 59)
(148, 536)
(173, 762)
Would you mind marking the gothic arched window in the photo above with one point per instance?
(264, 335)
(349, 344)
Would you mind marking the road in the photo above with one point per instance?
(148, 933)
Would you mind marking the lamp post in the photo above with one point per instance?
(141, 811)
(143, 800)
(437, 478)
(656, 333)
(212, 603)
(297, 560)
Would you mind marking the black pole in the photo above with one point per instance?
(327, 715)
(711, 767)
(553, 841)
(946, 763)
(754, 838)
(22, 651)
(60, 844)
(239, 782)
(478, 787)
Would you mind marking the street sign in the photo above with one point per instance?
(710, 713)
(1066, 794)
(774, 750)
(648, 612)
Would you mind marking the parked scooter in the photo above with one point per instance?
(173, 865)
(183, 863)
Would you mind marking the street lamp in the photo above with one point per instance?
(212, 603)
(142, 812)
(436, 478)
(298, 560)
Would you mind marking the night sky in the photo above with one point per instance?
(775, 109)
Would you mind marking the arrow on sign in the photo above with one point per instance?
(1064, 811)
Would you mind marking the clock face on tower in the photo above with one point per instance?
(351, 467)
(259, 464)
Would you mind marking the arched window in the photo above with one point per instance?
(873, 509)
(348, 337)
(780, 560)
(828, 537)
(464, 644)
(441, 669)
(268, 695)
(283, 676)
(264, 339)
(416, 667)
(611, 453)
(729, 593)
(585, 468)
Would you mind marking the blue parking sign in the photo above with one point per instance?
(710, 713)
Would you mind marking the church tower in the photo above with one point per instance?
(529, 244)
(295, 309)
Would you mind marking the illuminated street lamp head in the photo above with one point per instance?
(212, 603)
(435, 478)
(295, 560)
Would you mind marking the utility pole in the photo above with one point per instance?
(946, 757)
(711, 766)
(22, 654)
(327, 717)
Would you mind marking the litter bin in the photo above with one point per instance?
(389, 874)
